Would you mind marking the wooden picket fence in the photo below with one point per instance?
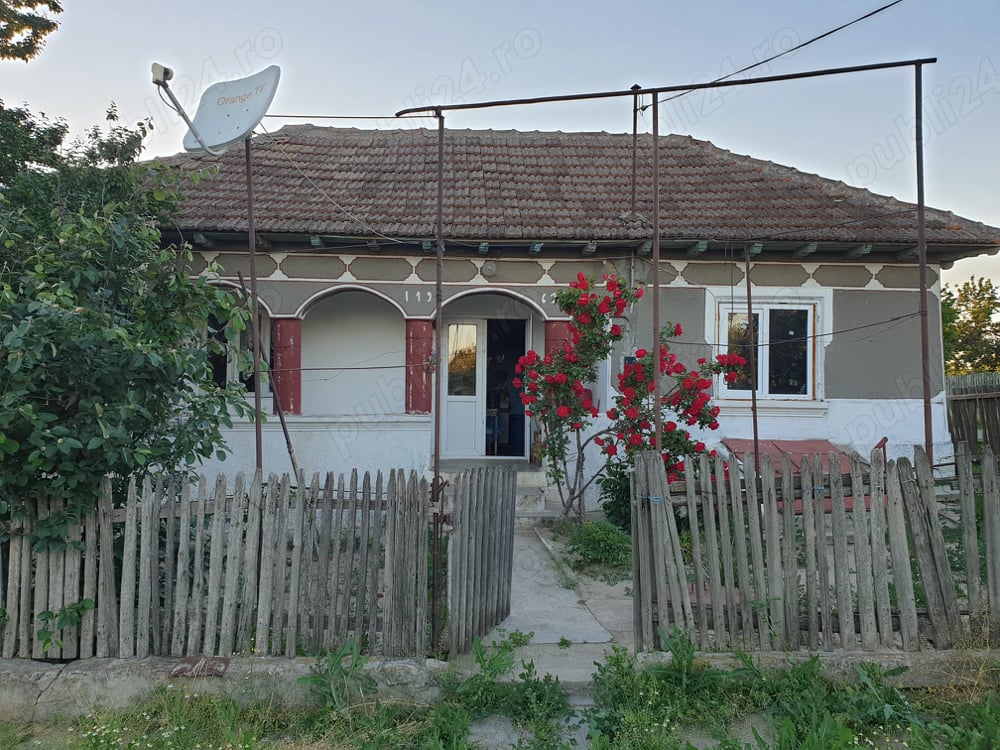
(974, 409)
(816, 560)
(480, 554)
(175, 569)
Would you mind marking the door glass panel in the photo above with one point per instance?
(741, 343)
(788, 352)
(462, 359)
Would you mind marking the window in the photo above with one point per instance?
(462, 350)
(785, 336)
(226, 367)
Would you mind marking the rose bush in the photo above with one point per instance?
(554, 390)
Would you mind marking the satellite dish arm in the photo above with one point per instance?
(162, 83)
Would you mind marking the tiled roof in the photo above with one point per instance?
(539, 186)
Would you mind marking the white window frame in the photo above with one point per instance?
(720, 302)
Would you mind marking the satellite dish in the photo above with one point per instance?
(229, 111)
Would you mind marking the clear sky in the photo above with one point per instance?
(375, 58)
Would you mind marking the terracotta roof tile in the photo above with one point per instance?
(540, 186)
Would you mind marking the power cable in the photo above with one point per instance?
(772, 58)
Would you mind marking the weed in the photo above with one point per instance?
(338, 678)
(12, 736)
(66, 617)
(537, 703)
(565, 642)
(172, 719)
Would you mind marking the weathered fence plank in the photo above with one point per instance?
(251, 562)
(107, 599)
(216, 556)
(297, 521)
(198, 573)
(970, 532)
(694, 524)
(899, 550)
(841, 562)
(880, 548)
(234, 552)
(126, 617)
(754, 510)
(939, 551)
(790, 578)
(742, 560)
(810, 544)
(917, 517)
(991, 520)
(864, 575)
(665, 579)
(183, 568)
(712, 552)
(772, 533)
(265, 593)
(645, 633)
(166, 609)
(376, 542)
(87, 623)
(726, 542)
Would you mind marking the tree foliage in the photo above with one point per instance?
(970, 318)
(24, 24)
(103, 366)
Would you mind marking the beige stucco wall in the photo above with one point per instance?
(881, 361)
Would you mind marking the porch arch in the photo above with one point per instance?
(353, 355)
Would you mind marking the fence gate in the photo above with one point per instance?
(480, 554)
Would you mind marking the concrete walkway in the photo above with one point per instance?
(570, 633)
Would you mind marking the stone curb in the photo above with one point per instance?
(34, 691)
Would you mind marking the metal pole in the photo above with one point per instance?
(254, 307)
(657, 384)
(635, 143)
(925, 355)
(664, 89)
(437, 485)
(275, 395)
(438, 308)
(753, 365)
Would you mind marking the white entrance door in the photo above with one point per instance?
(464, 424)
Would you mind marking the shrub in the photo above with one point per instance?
(600, 543)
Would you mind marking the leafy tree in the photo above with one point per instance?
(970, 317)
(24, 24)
(26, 141)
(554, 392)
(102, 366)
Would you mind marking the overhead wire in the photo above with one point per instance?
(774, 57)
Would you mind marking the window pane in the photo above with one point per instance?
(461, 359)
(740, 343)
(788, 366)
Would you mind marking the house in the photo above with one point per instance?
(345, 224)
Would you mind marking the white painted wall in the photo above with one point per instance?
(336, 444)
(359, 331)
